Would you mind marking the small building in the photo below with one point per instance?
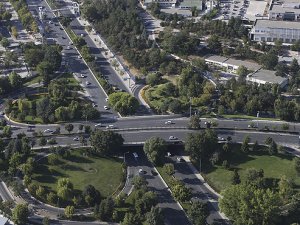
(272, 30)
(285, 10)
(162, 3)
(188, 4)
(267, 76)
(3, 220)
(234, 64)
(215, 60)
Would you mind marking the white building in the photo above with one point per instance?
(188, 4)
(272, 30)
(162, 3)
(267, 76)
(285, 10)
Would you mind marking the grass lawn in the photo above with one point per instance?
(103, 173)
(247, 117)
(273, 166)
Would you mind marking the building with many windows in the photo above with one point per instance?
(272, 30)
(162, 3)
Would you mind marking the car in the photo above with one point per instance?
(79, 57)
(1, 113)
(56, 24)
(50, 22)
(154, 173)
(169, 122)
(257, 15)
(68, 47)
(82, 76)
(173, 138)
(61, 28)
(135, 155)
(63, 37)
(179, 159)
(141, 171)
(221, 139)
(106, 107)
(169, 154)
(98, 125)
(106, 99)
(70, 43)
(76, 139)
(110, 126)
(88, 83)
(94, 105)
(82, 35)
(48, 131)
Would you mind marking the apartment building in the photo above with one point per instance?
(162, 3)
(272, 30)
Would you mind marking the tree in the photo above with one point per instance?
(201, 145)
(297, 165)
(20, 214)
(106, 209)
(155, 217)
(245, 144)
(195, 122)
(198, 212)
(69, 127)
(169, 168)
(273, 148)
(7, 132)
(5, 43)
(46, 221)
(269, 60)
(130, 219)
(123, 102)
(235, 179)
(42, 141)
(45, 69)
(64, 188)
(214, 43)
(181, 192)
(286, 188)
(153, 79)
(105, 142)
(69, 211)
(139, 182)
(91, 195)
(53, 159)
(14, 32)
(248, 204)
(15, 80)
(155, 149)
(242, 71)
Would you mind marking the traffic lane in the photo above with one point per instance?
(172, 212)
(5, 196)
(105, 66)
(76, 64)
(199, 191)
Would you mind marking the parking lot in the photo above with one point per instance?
(244, 9)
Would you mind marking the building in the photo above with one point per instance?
(231, 64)
(267, 76)
(285, 10)
(3, 220)
(162, 3)
(188, 4)
(272, 30)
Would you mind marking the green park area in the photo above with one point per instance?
(105, 174)
(274, 167)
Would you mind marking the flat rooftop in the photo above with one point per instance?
(191, 3)
(278, 24)
(284, 8)
(3, 220)
(216, 58)
(249, 65)
(267, 76)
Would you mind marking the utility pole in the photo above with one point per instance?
(190, 107)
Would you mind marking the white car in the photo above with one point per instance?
(169, 122)
(94, 105)
(79, 57)
(106, 99)
(70, 43)
(110, 127)
(173, 138)
(87, 83)
(106, 107)
(221, 139)
(82, 35)
(48, 131)
(76, 139)
(179, 159)
(98, 125)
(68, 47)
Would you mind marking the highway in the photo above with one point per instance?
(71, 57)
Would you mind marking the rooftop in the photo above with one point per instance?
(190, 3)
(284, 8)
(249, 65)
(3, 220)
(268, 76)
(277, 24)
(216, 58)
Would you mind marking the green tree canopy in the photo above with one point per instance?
(123, 102)
(155, 149)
